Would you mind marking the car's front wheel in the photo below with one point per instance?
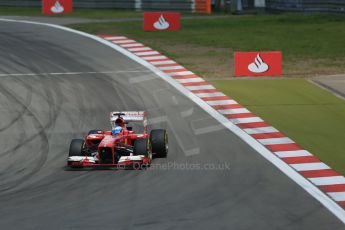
(142, 147)
(77, 148)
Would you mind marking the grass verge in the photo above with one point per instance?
(311, 44)
(312, 117)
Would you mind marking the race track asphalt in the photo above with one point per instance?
(42, 108)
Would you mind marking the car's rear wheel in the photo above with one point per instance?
(159, 141)
(77, 148)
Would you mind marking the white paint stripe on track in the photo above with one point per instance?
(295, 153)
(188, 80)
(140, 49)
(124, 41)
(132, 45)
(330, 204)
(337, 196)
(310, 166)
(145, 53)
(182, 73)
(222, 102)
(246, 120)
(171, 67)
(162, 62)
(268, 129)
(154, 57)
(276, 141)
(332, 180)
(115, 38)
(199, 87)
(216, 94)
(233, 111)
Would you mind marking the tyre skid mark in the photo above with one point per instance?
(44, 145)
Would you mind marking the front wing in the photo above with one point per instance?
(124, 161)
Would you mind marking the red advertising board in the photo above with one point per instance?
(161, 21)
(51, 7)
(258, 64)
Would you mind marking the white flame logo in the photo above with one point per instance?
(258, 66)
(161, 24)
(57, 8)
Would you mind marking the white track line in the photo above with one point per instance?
(198, 87)
(170, 67)
(233, 111)
(310, 166)
(140, 49)
(330, 204)
(222, 102)
(331, 180)
(246, 120)
(182, 73)
(163, 62)
(216, 94)
(124, 41)
(154, 57)
(268, 129)
(132, 45)
(146, 53)
(188, 80)
(115, 38)
(338, 196)
(296, 153)
(276, 141)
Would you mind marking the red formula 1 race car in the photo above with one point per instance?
(121, 147)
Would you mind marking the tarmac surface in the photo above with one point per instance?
(332, 83)
(57, 85)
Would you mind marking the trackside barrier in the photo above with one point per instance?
(330, 6)
(202, 6)
(198, 6)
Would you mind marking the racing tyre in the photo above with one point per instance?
(76, 147)
(94, 131)
(142, 147)
(159, 141)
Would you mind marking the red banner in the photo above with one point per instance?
(161, 21)
(51, 7)
(258, 64)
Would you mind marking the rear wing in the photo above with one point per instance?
(129, 116)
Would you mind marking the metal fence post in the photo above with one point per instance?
(239, 7)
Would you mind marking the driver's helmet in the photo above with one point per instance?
(119, 122)
(116, 130)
